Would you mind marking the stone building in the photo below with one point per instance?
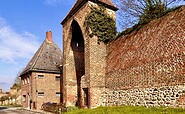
(145, 67)
(40, 80)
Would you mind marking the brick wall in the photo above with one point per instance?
(25, 91)
(153, 56)
(49, 85)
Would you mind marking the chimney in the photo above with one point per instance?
(49, 36)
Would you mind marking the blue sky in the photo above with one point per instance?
(23, 24)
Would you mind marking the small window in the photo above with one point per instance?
(40, 93)
(57, 78)
(28, 80)
(25, 81)
(22, 82)
(57, 94)
(40, 76)
(24, 98)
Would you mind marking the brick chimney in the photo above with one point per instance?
(49, 36)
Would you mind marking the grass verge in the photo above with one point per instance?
(129, 110)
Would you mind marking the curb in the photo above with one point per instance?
(37, 111)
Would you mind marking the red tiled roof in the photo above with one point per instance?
(80, 3)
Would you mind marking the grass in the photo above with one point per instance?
(128, 110)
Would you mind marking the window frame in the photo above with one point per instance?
(40, 76)
(40, 94)
(57, 94)
(24, 98)
(57, 78)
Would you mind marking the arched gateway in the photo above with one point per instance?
(84, 58)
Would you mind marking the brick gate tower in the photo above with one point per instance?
(84, 57)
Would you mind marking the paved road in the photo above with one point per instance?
(6, 110)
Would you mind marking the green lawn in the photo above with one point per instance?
(128, 110)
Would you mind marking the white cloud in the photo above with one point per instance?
(53, 2)
(13, 45)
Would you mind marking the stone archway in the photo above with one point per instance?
(77, 46)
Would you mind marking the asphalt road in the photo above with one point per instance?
(12, 110)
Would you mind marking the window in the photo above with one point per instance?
(40, 93)
(57, 94)
(57, 78)
(25, 81)
(28, 80)
(40, 76)
(22, 82)
(24, 98)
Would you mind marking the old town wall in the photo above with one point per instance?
(147, 67)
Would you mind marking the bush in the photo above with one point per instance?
(57, 108)
(3, 98)
(71, 108)
(50, 107)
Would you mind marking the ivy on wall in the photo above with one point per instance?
(101, 24)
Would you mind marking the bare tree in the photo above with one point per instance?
(134, 11)
(17, 79)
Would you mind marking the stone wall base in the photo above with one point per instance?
(168, 96)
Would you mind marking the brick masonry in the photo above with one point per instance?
(147, 67)
(94, 61)
(48, 84)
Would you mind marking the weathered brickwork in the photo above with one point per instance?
(94, 62)
(38, 90)
(158, 39)
(25, 89)
(167, 71)
(146, 66)
(49, 85)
